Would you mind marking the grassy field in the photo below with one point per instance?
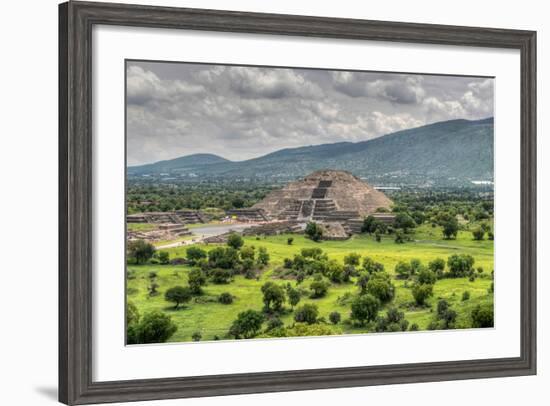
(212, 319)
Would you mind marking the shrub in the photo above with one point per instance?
(334, 317)
(274, 323)
(293, 296)
(195, 254)
(235, 241)
(154, 327)
(306, 313)
(178, 295)
(287, 263)
(483, 316)
(365, 308)
(490, 235)
(478, 234)
(380, 286)
(225, 298)
(404, 221)
(421, 293)
(196, 280)
(220, 276)
(247, 325)
(319, 289)
(274, 296)
(197, 336)
(140, 251)
(132, 313)
(425, 276)
(263, 257)
(399, 239)
(248, 252)
(352, 259)
(371, 266)
(394, 321)
(460, 265)
(450, 228)
(164, 257)
(225, 258)
(314, 231)
(335, 271)
(437, 266)
(403, 270)
(414, 327)
(289, 240)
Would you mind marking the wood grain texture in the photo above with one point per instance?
(76, 20)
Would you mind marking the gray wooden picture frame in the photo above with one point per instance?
(76, 20)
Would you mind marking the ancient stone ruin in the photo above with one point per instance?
(325, 196)
(170, 217)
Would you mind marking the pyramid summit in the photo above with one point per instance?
(324, 195)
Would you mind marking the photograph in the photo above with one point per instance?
(278, 202)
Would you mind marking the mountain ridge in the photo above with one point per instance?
(456, 150)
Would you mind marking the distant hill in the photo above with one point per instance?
(446, 153)
(184, 163)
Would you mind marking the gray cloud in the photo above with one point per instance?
(176, 109)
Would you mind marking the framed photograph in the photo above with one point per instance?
(258, 203)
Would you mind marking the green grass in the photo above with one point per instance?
(212, 318)
(141, 226)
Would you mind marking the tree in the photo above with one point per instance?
(362, 281)
(450, 228)
(421, 292)
(178, 295)
(380, 286)
(319, 289)
(314, 231)
(195, 254)
(394, 321)
(306, 314)
(335, 271)
(154, 327)
(371, 266)
(225, 258)
(263, 257)
(248, 252)
(164, 257)
(369, 225)
(403, 270)
(426, 277)
(334, 317)
(352, 259)
(404, 221)
(274, 296)
(140, 251)
(247, 324)
(235, 241)
(399, 238)
(196, 279)
(483, 316)
(225, 298)
(460, 265)
(289, 240)
(293, 296)
(220, 276)
(364, 309)
(437, 266)
(478, 234)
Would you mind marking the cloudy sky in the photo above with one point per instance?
(177, 109)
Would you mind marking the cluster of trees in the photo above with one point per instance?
(153, 327)
(159, 197)
(220, 264)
